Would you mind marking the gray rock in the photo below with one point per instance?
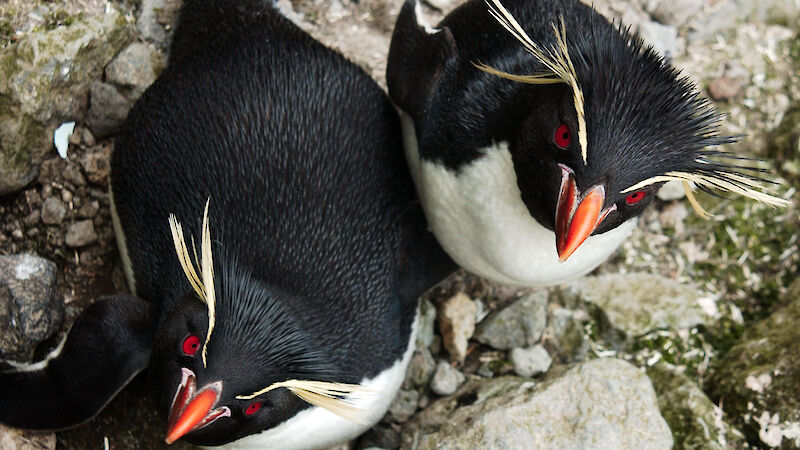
(674, 12)
(404, 405)
(420, 369)
(80, 234)
(379, 437)
(566, 335)
(107, 110)
(147, 23)
(89, 210)
(44, 81)
(13, 439)
(671, 190)
(155, 17)
(53, 211)
(530, 361)
(457, 324)
(757, 380)
(72, 174)
(427, 318)
(694, 419)
(447, 379)
(638, 303)
(518, 325)
(31, 309)
(97, 166)
(600, 404)
(663, 38)
(725, 88)
(133, 68)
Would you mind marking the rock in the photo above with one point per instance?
(600, 404)
(53, 211)
(44, 81)
(725, 88)
(107, 110)
(87, 137)
(757, 380)
(518, 325)
(674, 12)
(695, 421)
(457, 324)
(72, 174)
(80, 234)
(530, 361)
(13, 439)
(97, 166)
(566, 335)
(154, 18)
(379, 437)
(639, 303)
(404, 405)
(671, 190)
(31, 309)
(427, 318)
(133, 68)
(663, 38)
(447, 379)
(89, 210)
(420, 369)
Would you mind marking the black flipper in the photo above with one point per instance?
(106, 347)
(417, 62)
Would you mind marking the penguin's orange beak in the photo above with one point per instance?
(192, 411)
(576, 219)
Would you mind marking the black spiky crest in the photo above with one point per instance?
(647, 117)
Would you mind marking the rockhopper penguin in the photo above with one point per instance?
(272, 237)
(537, 131)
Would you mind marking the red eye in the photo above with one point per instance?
(634, 198)
(563, 136)
(252, 408)
(190, 345)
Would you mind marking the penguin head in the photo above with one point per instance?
(230, 359)
(611, 122)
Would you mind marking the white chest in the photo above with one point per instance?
(480, 220)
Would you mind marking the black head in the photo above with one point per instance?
(591, 151)
(228, 358)
(255, 342)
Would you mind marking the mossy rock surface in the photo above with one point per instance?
(44, 80)
(758, 380)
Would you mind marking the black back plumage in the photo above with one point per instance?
(298, 151)
(320, 246)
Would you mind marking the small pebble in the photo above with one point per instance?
(404, 405)
(457, 324)
(447, 379)
(725, 88)
(532, 361)
(53, 211)
(80, 234)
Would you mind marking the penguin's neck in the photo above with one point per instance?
(477, 214)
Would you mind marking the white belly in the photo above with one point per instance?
(479, 218)
(317, 428)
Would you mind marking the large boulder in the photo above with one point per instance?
(44, 80)
(602, 404)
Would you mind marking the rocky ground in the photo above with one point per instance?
(686, 337)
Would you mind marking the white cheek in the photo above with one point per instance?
(479, 218)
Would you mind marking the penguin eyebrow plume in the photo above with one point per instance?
(720, 179)
(335, 397)
(203, 287)
(557, 61)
